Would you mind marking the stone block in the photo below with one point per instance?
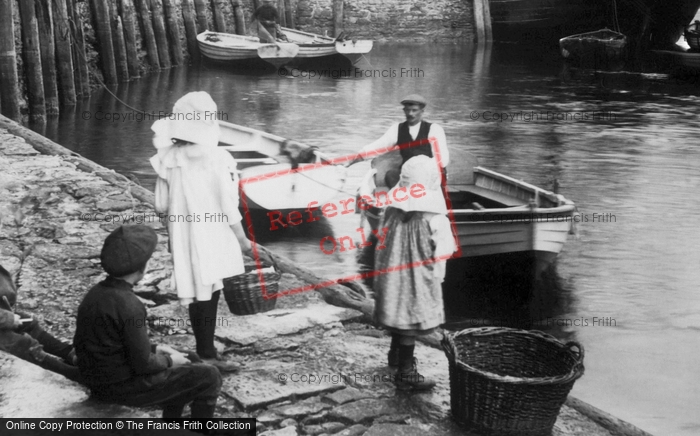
(364, 410)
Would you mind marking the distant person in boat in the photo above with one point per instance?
(431, 135)
(409, 298)
(21, 335)
(197, 197)
(115, 355)
(266, 20)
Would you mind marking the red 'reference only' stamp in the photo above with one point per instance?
(314, 211)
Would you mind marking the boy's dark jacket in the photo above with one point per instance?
(111, 338)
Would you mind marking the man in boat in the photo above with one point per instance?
(430, 139)
(266, 20)
(21, 335)
(115, 356)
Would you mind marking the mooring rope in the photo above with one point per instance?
(82, 54)
(617, 24)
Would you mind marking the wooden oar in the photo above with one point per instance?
(351, 296)
(337, 294)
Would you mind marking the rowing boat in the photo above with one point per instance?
(601, 49)
(244, 50)
(496, 215)
(277, 174)
(319, 47)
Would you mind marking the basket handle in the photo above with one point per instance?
(270, 256)
(448, 346)
(578, 352)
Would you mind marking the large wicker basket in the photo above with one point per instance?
(510, 382)
(244, 294)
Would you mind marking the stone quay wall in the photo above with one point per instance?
(392, 20)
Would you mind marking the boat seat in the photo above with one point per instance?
(506, 200)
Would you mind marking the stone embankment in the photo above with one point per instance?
(308, 368)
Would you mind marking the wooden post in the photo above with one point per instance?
(218, 13)
(479, 20)
(170, 10)
(9, 80)
(48, 55)
(289, 13)
(238, 16)
(488, 32)
(190, 28)
(281, 14)
(81, 76)
(159, 31)
(103, 29)
(119, 44)
(200, 8)
(337, 17)
(64, 61)
(148, 34)
(126, 10)
(32, 61)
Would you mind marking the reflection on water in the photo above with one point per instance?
(638, 160)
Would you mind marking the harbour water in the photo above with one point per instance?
(624, 147)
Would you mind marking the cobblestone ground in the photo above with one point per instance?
(308, 368)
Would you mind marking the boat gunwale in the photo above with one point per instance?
(326, 159)
(249, 40)
(301, 32)
(555, 198)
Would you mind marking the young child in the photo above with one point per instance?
(408, 288)
(22, 336)
(115, 355)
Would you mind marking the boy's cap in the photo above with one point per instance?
(127, 249)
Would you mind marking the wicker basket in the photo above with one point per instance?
(510, 382)
(244, 294)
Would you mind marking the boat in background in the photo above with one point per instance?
(244, 50)
(313, 47)
(602, 49)
(265, 162)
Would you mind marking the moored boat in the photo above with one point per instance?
(245, 50)
(319, 47)
(601, 49)
(495, 215)
(266, 161)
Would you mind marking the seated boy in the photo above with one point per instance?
(115, 355)
(22, 336)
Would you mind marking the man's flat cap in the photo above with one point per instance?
(414, 99)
